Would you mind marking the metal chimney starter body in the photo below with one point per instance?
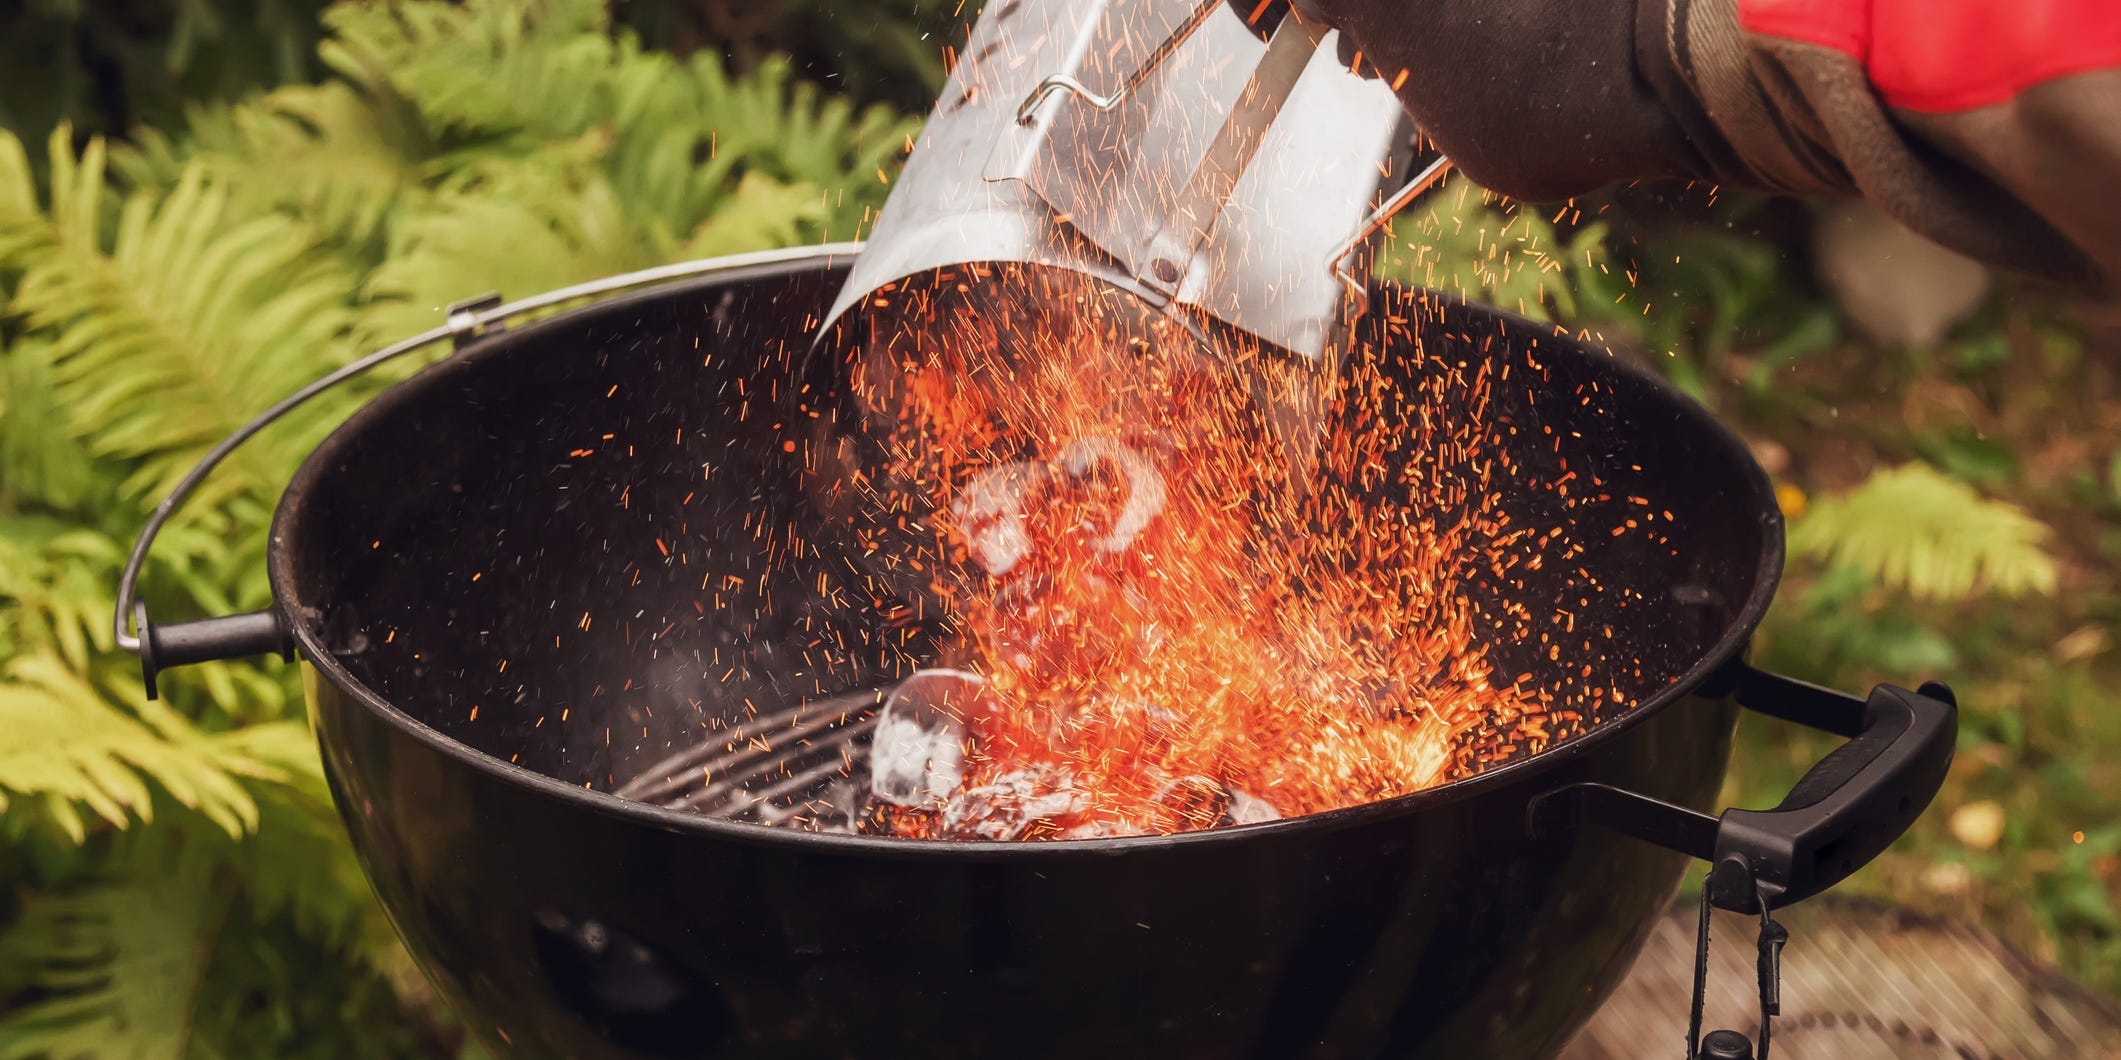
(1159, 147)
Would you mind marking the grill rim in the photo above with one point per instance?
(303, 619)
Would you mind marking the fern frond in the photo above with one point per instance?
(684, 137)
(150, 920)
(18, 182)
(555, 72)
(1463, 242)
(55, 581)
(168, 333)
(69, 745)
(335, 156)
(1919, 531)
(521, 230)
(485, 66)
(789, 129)
(119, 963)
(760, 213)
(39, 461)
(27, 224)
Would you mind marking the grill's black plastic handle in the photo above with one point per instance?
(1847, 810)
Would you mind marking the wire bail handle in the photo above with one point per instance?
(1728, 1044)
(164, 645)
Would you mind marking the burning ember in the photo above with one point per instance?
(1177, 604)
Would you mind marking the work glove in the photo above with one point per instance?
(1991, 126)
(1537, 99)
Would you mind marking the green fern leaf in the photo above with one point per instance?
(789, 129)
(55, 579)
(760, 213)
(555, 72)
(1916, 530)
(18, 182)
(518, 229)
(39, 462)
(1462, 241)
(335, 156)
(682, 134)
(73, 748)
(485, 66)
(167, 332)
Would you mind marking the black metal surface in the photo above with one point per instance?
(463, 566)
(1430, 931)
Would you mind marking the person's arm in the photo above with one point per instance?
(1991, 126)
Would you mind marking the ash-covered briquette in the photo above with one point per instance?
(917, 748)
(917, 756)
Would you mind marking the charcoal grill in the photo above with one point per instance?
(488, 655)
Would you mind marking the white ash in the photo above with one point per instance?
(917, 751)
(1008, 807)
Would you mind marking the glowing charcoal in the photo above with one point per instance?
(1194, 802)
(1097, 517)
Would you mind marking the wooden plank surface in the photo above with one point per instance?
(1861, 981)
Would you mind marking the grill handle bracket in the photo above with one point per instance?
(207, 639)
(1841, 814)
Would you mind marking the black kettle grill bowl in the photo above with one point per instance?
(470, 566)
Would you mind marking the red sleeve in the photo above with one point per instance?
(1951, 55)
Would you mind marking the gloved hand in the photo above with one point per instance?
(1537, 99)
(1991, 126)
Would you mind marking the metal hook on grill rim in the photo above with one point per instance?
(1358, 290)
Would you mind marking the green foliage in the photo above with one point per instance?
(118, 963)
(1916, 530)
(70, 748)
(528, 147)
(1841, 622)
(1981, 568)
(1886, 568)
(174, 880)
(1466, 241)
(1692, 298)
(198, 942)
(54, 573)
(166, 297)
